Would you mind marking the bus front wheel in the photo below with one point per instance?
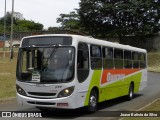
(93, 101)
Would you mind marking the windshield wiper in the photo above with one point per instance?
(53, 51)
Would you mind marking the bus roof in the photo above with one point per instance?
(90, 40)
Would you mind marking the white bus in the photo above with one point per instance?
(72, 71)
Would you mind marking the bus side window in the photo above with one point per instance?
(127, 59)
(135, 58)
(142, 58)
(96, 57)
(82, 62)
(118, 58)
(108, 58)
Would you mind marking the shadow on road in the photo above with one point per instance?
(70, 114)
(113, 102)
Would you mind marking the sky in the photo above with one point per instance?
(43, 11)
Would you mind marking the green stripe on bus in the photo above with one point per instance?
(95, 81)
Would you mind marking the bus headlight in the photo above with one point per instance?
(66, 92)
(20, 90)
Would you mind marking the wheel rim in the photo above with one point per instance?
(93, 101)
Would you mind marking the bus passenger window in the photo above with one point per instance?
(108, 58)
(135, 58)
(142, 58)
(127, 59)
(118, 58)
(96, 57)
(82, 62)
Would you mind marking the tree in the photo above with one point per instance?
(26, 25)
(8, 22)
(69, 21)
(120, 17)
(19, 25)
(54, 28)
(38, 26)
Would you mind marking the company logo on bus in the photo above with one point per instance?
(114, 77)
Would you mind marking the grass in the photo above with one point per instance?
(154, 61)
(7, 77)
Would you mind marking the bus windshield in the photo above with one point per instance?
(46, 64)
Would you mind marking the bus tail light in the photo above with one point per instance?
(20, 90)
(66, 92)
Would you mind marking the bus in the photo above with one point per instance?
(72, 71)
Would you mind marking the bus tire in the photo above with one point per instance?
(130, 92)
(93, 101)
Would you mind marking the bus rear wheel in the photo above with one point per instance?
(130, 92)
(93, 101)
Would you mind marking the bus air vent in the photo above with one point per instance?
(41, 94)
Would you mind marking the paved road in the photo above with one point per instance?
(149, 94)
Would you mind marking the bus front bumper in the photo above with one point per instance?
(64, 102)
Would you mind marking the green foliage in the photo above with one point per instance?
(120, 17)
(1, 28)
(8, 19)
(54, 28)
(8, 22)
(26, 25)
(19, 25)
(69, 21)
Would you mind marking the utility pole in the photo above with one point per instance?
(4, 30)
(11, 38)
